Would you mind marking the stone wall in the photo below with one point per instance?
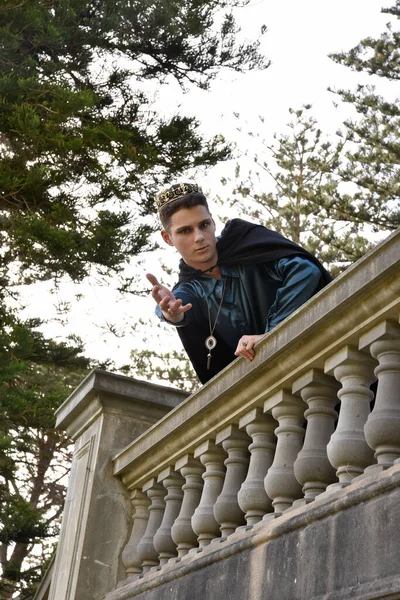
(341, 547)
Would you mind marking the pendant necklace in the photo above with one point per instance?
(211, 342)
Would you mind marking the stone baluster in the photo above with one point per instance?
(382, 429)
(182, 530)
(312, 467)
(203, 521)
(145, 549)
(252, 497)
(226, 509)
(280, 482)
(140, 517)
(348, 450)
(163, 542)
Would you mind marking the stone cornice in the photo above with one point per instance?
(102, 392)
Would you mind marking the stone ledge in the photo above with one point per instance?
(102, 390)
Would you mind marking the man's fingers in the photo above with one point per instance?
(245, 347)
(180, 308)
(153, 280)
(247, 354)
(164, 303)
(177, 306)
(162, 295)
(165, 298)
(186, 307)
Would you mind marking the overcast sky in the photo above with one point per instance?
(300, 35)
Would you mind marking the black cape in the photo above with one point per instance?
(241, 243)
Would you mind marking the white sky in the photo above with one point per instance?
(299, 37)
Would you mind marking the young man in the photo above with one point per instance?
(233, 289)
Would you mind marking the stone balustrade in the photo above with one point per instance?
(317, 409)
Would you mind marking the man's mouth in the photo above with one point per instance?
(203, 249)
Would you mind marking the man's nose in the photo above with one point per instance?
(199, 235)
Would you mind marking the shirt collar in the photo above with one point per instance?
(209, 283)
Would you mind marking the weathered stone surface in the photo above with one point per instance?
(104, 414)
(345, 546)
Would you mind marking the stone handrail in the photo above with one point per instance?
(317, 409)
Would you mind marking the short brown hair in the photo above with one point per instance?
(188, 201)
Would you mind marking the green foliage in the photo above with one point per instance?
(82, 150)
(171, 367)
(372, 160)
(334, 195)
(36, 376)
(373, 156)
(306, 203)
(376, 56)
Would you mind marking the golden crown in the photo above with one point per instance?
(174, 192)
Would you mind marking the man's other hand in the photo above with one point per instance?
(172, 309)
(245, 346)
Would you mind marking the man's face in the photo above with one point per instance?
(192, 232)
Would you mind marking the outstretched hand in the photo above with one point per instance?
(172, 308)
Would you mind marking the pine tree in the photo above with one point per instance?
(336, 196)
(163, 367)
(36, 375)
(301, 169)
(373, 158)
(82, 150)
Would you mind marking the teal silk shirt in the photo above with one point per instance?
(256, 298)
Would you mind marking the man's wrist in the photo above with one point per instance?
(173, 318)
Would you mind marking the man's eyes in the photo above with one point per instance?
(203, 225)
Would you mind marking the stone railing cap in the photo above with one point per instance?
(99, 382)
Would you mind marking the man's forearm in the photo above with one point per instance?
(300, 280)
